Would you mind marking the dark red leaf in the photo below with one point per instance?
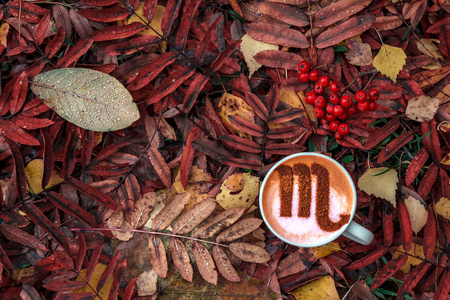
(93, 193)
(338, 11)
(112, 170)
(81, 252)
(58, 260)
(416, 165)
(132, 45)
(242, 163)
(286, 115)
(388, 270)
(395, 145)
(41, 29)
(99, 2)
(31, 123)
(129, 290)
(19, 167)
(36, 215)
(76, 296)
(443, 288)
(188, 155)
(283, 148)
(434, 274)
(278, 35)
(17, 235)
(388, 225)
(74, 54)
(210, 148)
(4, 259)
(429, 235)
(34, 108)
(117, 32)
(106, 15)
(108, 271)
(18, 93)
(120, 270)
(110, 150)
(382, 133)
(150, 9)
(27, 11)
(63, 285)
(185, 24)
(431, 139)
(73, 133)
(246, 126)
(405, 225)
(285, 132)
(289, 14)
(413, 278)
(170, 14)
(428, 180)
(93, 261)
(224, 55)
(256, 104)
(200, 51)
(87, 147)
(239, 143)
(193, 92)
(160, 166)
(273, 98)
(278, 59)
(211, 115)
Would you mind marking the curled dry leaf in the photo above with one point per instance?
(360, 54)
(219, 222)
(193, 217)
(422, 108)
(180, 257)
(249, 253)
(170, 212)
(238, 230)
(380, 182)
(224, 265)
(158, 256)
(205, 262)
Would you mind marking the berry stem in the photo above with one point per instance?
(374, 71)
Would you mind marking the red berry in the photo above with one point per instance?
(318, 88)
(374, 94)
(334, 98)
(335, 87)
(323, 122)
(329, 108)
(346, 101)
(338, 110)
(304, 66)
(363, 105)
(360, 96)
(304, 77)
(320, 102)
(319, 113)
(334, 125)
(343, 129)
(351, 110)
(310, 97)
(337, 136)
(372, 105)
(314, 75)
(343, 116)
(324, 81)
(330, 117)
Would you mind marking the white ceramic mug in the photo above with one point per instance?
(350, 230)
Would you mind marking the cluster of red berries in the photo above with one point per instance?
(333, 110)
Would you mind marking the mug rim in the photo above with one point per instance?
(333, 236)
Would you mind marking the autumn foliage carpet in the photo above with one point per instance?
(135, 135)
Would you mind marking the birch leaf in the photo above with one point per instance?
(90, 99)
(422, 108)
(380, 183)
(389, 61)
(417, 211)
(250, 47)
(322, 288)
(34, 171)
(443, 207)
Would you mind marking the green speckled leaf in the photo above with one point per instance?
(90, 99)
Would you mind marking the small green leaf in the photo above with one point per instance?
(90, 99)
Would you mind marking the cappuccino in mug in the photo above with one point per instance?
(308, 199)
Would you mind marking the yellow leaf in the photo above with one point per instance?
(383, 185)
(389, 61)
(427, 47)
(443, 207)
(326, 249)
(231, 105)
(147, 283)
(235, 182)
(245, 198)
(446, 160)
(98, 271)
(417, 211)
(198, 191)
(322, 288)
(4, 30)
(416, 251)
(422, 108)
(291, 98)
(443, 95)
(250, 47)
(34, 171)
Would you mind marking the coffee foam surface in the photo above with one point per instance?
(303, 230)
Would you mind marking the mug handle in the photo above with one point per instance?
(358, 233)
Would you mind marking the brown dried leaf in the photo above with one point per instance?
(219, 222)
(417, 210)
(143, 208)
(278, 35)
(422, 108)
(338, 11)
(278, 59)
(289, 14)
(224, 265)
(170, 212)
(238, 230)
(180, 257)
(193, 217)
(158, 256)
(205, 262)
(249, 253)
(360, 54)
(160, 165)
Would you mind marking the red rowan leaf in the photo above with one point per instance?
(150, 9)
(69, 159)
(72, 209)
(76, 296)
(429, 235)
(34, 108)
(384, 23)
(170, 212)
(185, 24)
(160, 166)
(434, 274)
(219, 222)
(170, 15)
(278, 59)
(246, 126)
(431, 139)
(224, 265)
(338, 11)
(81, 252)
(368, 259)
(205, 262)
(4, 259)
(18, 93)
(188, 155)
(278, 35)
(27, 11)
(382, 133)
(256, 104)
(180, 257)
(285, 132)
(289, 14)
(106, 15)
(30, 291)
(388, 225)
(293, 84)
(443, 288)
(202, 45)
(74, 54)
(239, 143)
(99, 2)
(93, 261)
(293, 263)
(249, 252)
(242, 163)
(117, 32)
(58, 260)
(120, 270)
(193, 217)
(345, 30)
(63, 285)
(93, 193)
(41, 29)
(82, 25)
(239, 230)
(429, 77)
(31, 123)
(283, 148)
(108, 271)
(109, 150)
(5, 96)
(63, 19)
(113, 170)
(350, 142)
(210, 148)
(170, 84)
(211, 115)
(413, 279)
(36, 215)
(129, 290)
(437, 26)
(395, 145)
(405, 225)
(87, 147)
(35, 68)
(151, 70)
(132, 45)
(445, 187)
(158, 257)
(273, 98)
(286, 115)
(388, 270)
(193, 92)
(444, 38)
(224, 55)
(19, 236)
(61, 274)
(428, 181)
(416, 165)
